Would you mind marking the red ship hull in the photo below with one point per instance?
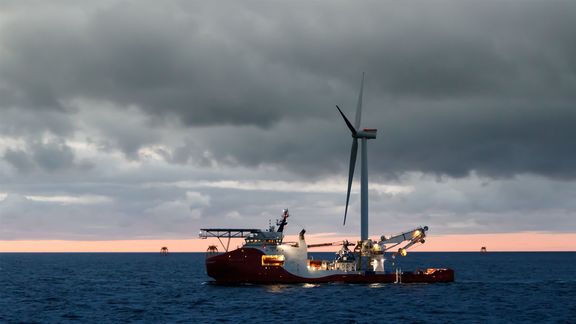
(245, 266)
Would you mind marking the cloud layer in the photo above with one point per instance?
(474, 104)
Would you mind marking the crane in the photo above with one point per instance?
(412, 237)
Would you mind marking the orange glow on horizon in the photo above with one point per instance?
(532, 241)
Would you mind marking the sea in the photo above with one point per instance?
(493, 287)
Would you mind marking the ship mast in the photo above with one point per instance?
(282, 221)
(364, 135)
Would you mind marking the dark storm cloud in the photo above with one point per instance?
(30, 124)
(19, 160)
(50, 157)
(166, 61)
(494, 139)
(452, 86)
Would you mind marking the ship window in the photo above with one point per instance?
(314, 264)
(272, 260)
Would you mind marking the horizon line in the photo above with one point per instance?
(501, 242)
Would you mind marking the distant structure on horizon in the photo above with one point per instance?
(164, 251)
(212, 249)
(483, 249)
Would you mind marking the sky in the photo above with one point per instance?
(144, 121)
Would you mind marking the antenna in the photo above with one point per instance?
(364, 135)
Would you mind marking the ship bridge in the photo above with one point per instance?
(252, 236)
(263, 238)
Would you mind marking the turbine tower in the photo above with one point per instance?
(364, 135)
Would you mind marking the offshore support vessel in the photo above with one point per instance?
(266, 259)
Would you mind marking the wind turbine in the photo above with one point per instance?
(364, 135)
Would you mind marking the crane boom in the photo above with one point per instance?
(414, 236)
(345, 242)
(416, 233)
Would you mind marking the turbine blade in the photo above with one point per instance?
(353, 154)
(359, 105)
(352, 129)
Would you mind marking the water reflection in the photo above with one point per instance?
(277, 288)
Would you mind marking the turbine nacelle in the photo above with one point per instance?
(366, 133)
